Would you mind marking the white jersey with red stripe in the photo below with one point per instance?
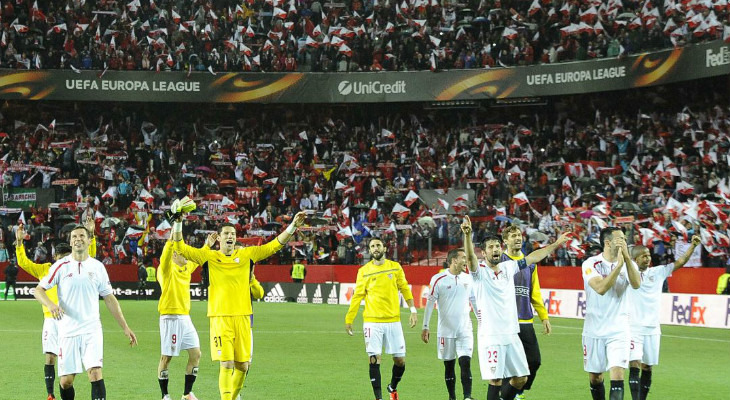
(496, 301)
(607, 315)
(452, 293)
(80, 283)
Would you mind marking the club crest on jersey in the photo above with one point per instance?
(651, 278)
(390, 276)
(236, 260)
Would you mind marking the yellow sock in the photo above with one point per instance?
(225, 383)
(238, 378)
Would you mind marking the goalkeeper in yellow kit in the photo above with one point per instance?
(229, 311)
(49, 337)
(378, 283)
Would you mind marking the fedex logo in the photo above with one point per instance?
(581, 308)
(552, 304)
(691, 313)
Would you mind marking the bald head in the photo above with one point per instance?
(637, 250)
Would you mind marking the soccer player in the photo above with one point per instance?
(527, 292)
(501, 354)
(177, 331)
(452, 290)
(645, 305)
(80, 280)
(606, 336)
(229, 311)
(378, 283)
(49, 337)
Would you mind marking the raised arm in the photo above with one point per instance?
(113, 306)
(471, 258)
(298, 221)
(91, 228)
(37, 270)
(538, 255)
(679, 263)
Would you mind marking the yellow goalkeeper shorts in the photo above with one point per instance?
(231, 338)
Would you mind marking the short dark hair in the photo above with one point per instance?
(376, 238)
(79, 226)
(607, 233)
(453, 253)
(63, 248)
(225, 224)
(490, 237)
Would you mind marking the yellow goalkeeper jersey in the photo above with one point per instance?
(379, 286)
(38, 271)
(175, 284)
(228, 294)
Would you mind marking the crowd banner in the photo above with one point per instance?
(640, 70)
(20, 198)
(701, 310)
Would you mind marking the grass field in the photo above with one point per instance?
(303, 352)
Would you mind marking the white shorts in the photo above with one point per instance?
(49, 337)
(177, 333)
(86, 349)
(388, 334)
(645, 348)
(453, 348)
(601, 354)
(499, 361)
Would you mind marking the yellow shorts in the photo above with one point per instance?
(231, 338)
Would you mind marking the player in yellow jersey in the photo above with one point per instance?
(49, 337)
(378, 283)
(177, 331)
(230, 311)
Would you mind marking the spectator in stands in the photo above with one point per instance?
(11, 277)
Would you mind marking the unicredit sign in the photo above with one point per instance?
(375, 87)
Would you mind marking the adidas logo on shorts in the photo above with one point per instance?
(275, 295)
(317, 299)
(333, 298)
(302, 297)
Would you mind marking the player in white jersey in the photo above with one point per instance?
(80, 280)
(606, 337)
(452, 290)
(501, 353)
(645, 305)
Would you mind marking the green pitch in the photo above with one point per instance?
(302, 352)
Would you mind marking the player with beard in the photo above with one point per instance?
(378, 283)
(527, 292)
(645, 306)
(501, 354)
(230, 312)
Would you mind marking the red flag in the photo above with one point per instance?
(411, 198)
(521, 198)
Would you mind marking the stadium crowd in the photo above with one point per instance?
(652, 164)
(274, 35)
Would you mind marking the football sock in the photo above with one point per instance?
(465, 365)
(450, 377)
(68, 394)
(238, 378)
(189, 381)
(49, 372)
(645, 384)
(98, 390)
(397, 375)
(375, 381)
(225, 383)
(598, 391)
(493, 392)
(508, 391)
(163, 379)
(634, 382)
(617, 390)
